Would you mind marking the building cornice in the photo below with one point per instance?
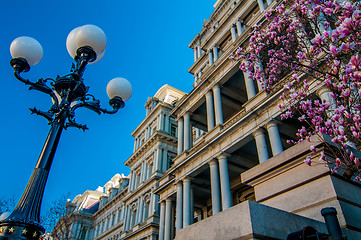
(156, 137)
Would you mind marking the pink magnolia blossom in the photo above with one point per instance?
(287, 49)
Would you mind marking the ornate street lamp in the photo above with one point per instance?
(85, 44)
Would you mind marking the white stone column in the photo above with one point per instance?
(218, 104)
(274, 137)
(160, 159)
(234, 33)
(250, 88)
(195, 54)
(140, 210)
(215, 189)
(239, 27)
(261, 5)
(210, 57)
(146, 134)
(145, 171)
(161, 122)
(116, 216)
(162, 220)
(156, 204)
(187, 131)
(179, 210)
(210, 110)
(135, 145)
(142, 172)
(324, 94)
(168, 219)
(127, 218)
(260, 67)
(192, 204)
(215, 53)
(131, 180)
(225, 186)
(122, 213)
(151, 205)
(155, 159)
(186, 202)
(199, 52)
(166, 123)
(180, 135)
(261, 145)
(165, 160)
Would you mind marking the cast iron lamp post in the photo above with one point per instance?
(85, 44)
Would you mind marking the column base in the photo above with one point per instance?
(17, 229)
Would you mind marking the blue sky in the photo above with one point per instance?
(147, 44)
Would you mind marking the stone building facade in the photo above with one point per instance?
(215, 163)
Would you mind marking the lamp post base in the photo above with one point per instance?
(15, 230)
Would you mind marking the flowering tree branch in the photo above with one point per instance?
(314, 46)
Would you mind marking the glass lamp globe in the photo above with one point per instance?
(92, 36)
(119, 87)
(27, 48)
(70, 42)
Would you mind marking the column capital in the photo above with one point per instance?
(187, 113)
(322, 90)
(187, 179)
(271, 123)
(258, 132)
(223, 155)
(169, 199)
(179, 119)
(209, 92)
(178, 183)
(216, 86)
(213, 162)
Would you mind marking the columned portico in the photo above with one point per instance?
(162, 220)
(274, 137)
(225, 186)
(261, 145)
(168, 218)
(186, 202)
(215, 189)
(179, 208)
(187, 131)
(218, 104)
(180, 135)
(210, 110)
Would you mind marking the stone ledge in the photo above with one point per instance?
(246, 220)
